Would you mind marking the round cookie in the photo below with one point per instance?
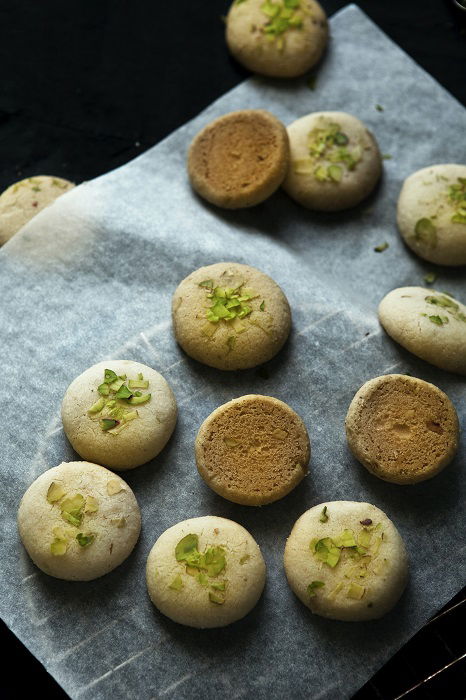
(78, 521)
(335, 161)
(402, 429)
(346, 561)
(282, 38)
(205, 572)
(430, 324)
(253, 450)
(230, 316)
(239, 159)
(119, 413)
(431, 213)
(26, 198)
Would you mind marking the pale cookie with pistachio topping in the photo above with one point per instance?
(430, 324)
(230, 316)
(402, 429)
(335, 161)
(78, 521)
(346, 561)
(205, 572)
(26, 198)
(119, 413)
(279, 38)
(239, 159)
(431, 213)
(253, 450)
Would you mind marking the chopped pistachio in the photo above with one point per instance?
(129, 416)
(215, 560)
(379, 108)
(320, 174)
(72, 510)
(192, 571)
(364, 538)
(92, 505)
(262, 306)
(58, 547)
(218, 585)
(438, 320)
(443, 301)
(386, 156)
(97, 406)
(335, 172)
(186, 546)
(380, 248)
(311, 589)
(108, 423)
(217, 597)
(346, 539)
(202, 578)
(114, 486)
(176, 584)
(355, 591)
(326, 551)
(55, 492)
(114, 386)
(323, 516)
(138, 383)
(136, 400)
(123, 392)
(244, 558)
(430, 277)
(103, 389)
(122, 376)
(231, 340)
(85, 540)
(109, 376)
(425, 232)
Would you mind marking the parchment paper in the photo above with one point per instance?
(92, 278)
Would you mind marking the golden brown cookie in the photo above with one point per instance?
(239, 159)
(402, 429)
(253, 450)
(230, 316)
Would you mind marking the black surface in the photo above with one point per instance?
(87, 86)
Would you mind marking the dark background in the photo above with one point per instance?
(88, 85)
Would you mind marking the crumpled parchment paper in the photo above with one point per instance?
(91, 278)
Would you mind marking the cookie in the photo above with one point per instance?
(402, 429)
(205, 572)
(281, 38)
(431, 213)
(23, 200)
(335, 161)
(119, 413)
(346, 561)
(230, 316)
(239, 159)
(430, 324)
(78, 521)
(253, 450)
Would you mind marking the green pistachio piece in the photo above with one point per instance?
(72, 510)
(108, 423)
(443, 301)
(138, 383)
(123, 392)
(114, 386)
(58, 547)
(326, 551)
(55, 492)
(136, 400)
(202, 578)
(122, 376)
(379, 108)
(438, 320)
(426, 232)
(335, 173)
(129, 416)
(323, 516)
(311, 589)
(320, 174)
(262, 306)
(103, 389)
(92, 505)
(430, 277)
(364, 538)
(208, 284)
(176, 584)
(218, 585)
(85, 540)
(97, 406)
(346, 539)
(114, 486)
(231, 340)
(186, 546)
(217, 597)
(244, 559)
(214, 560)
(380, 248)
(109, 376)
(355, 591)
